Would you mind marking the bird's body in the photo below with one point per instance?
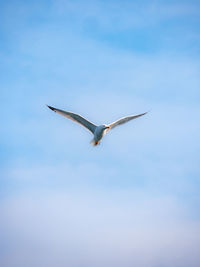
(98, 131)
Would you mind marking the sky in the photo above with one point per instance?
(134, 200)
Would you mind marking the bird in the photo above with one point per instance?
(97, 131)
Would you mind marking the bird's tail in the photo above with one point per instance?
(94, 142)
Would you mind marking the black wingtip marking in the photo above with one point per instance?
(51, 108)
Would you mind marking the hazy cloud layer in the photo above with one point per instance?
(87, 228)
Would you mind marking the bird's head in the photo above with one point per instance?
(106, 127)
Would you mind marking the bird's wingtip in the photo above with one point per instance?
(148, 111)
(50, 107)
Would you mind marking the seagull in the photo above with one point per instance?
(97, 131)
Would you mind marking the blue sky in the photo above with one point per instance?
(133, 200)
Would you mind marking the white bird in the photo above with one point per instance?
(98, 131)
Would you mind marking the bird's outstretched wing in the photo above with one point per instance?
(124, 120)
(75, 117)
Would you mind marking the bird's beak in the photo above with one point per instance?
(108, 127)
